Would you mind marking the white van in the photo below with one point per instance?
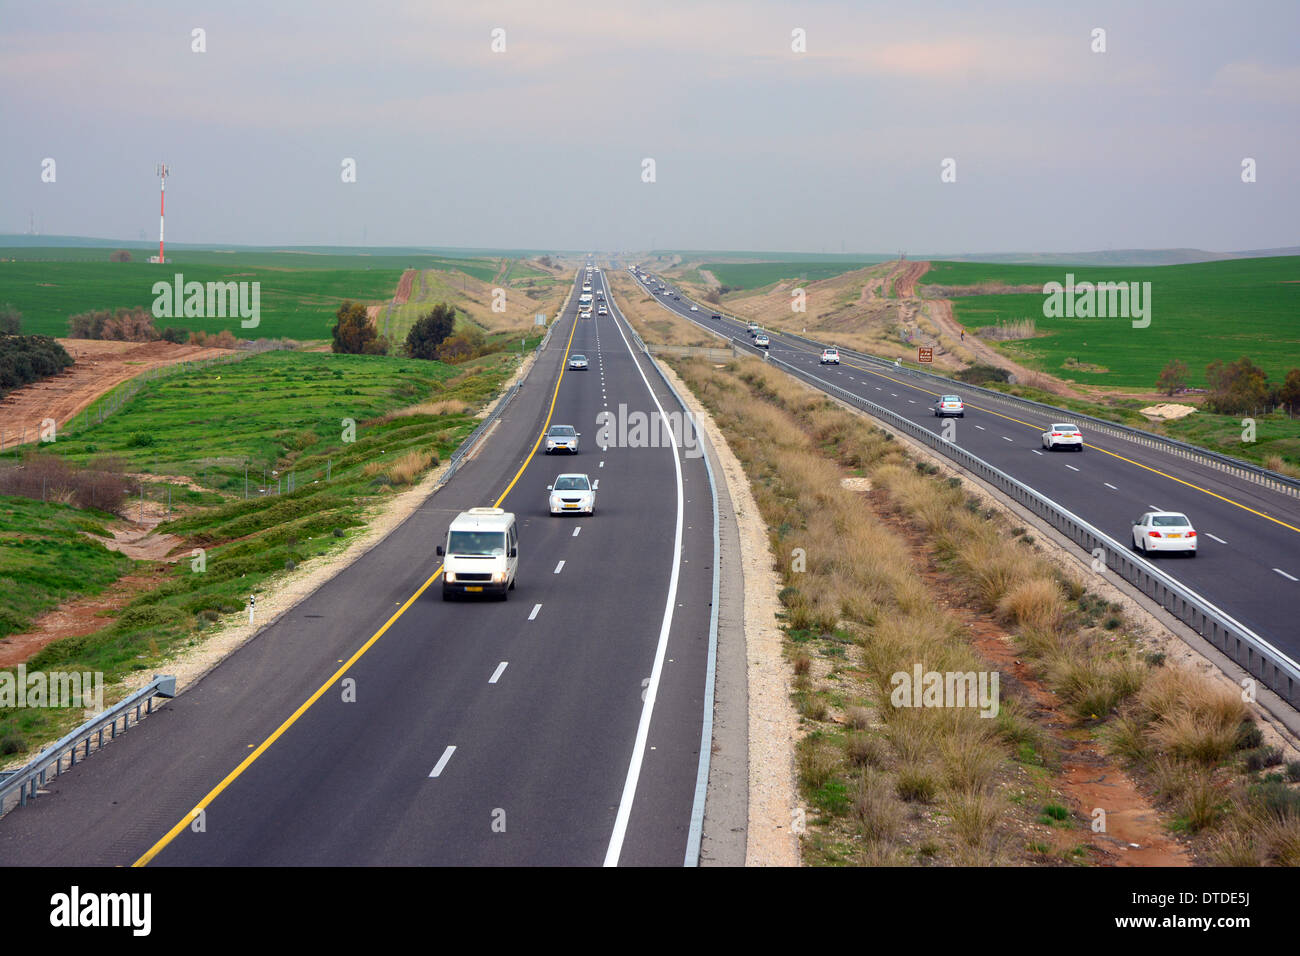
(481, 555)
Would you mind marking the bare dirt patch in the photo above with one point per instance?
(1168, 411)
(76, 618)
(99, 367)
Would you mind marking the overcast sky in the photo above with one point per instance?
(755, 146)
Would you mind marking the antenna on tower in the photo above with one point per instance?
(161, 170)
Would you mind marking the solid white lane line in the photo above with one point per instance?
(576, 530)
(558, 568)
(496, 674)
(1285, 575)
(615, 847)
(536, 608)
(1214, 536)
(442, 762)
(1110, 486)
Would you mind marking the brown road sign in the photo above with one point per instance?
(924, 353)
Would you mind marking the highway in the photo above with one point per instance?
(1249, 536)
(559, 727)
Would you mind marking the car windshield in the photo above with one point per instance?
(580, 358)
(1169, 521)
(562, 431)
(572, 483)
(477, 543)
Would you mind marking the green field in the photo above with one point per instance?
(281, 411)
(45, 557)
(300, 291)
(1199, 313)
(756, 275)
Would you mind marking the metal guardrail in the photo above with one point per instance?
(1253, 653)
(49, 763)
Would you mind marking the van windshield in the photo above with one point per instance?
(484, 543)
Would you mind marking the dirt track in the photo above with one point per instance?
(99, 366)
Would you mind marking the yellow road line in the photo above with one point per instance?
(1154, 471)
(343, 669)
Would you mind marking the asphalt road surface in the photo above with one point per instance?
(516, 732)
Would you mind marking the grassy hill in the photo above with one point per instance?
(1199, 313)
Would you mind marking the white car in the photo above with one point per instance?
(695, 308)
(1065, 436)
(572, 494)
(584, 315)
(562, 438)
(760, 340)
(830, 357)
(1164, 531)
(602, 311)
(949, 405)
(577, 361)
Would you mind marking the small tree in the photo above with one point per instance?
(1289, 393)
(1173, 377)
(120, 255)
(430, 331)
(1238, 388)
(11, 320)
(354, 331)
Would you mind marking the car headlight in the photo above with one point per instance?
(499, 577)
(450, 577)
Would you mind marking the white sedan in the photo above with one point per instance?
(761, 340)
(1164, 531)
(572, 494)
(695, 308)
(1064, 436)
(577, 361)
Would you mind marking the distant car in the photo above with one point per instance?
(584, 315)
(752, 328)
(562, 438)
(830, 357)
(602, 311)
(678, 298)
(949, 405)
(572, 494)
(586, 287)
(760, 340)
(577, 361)
(716, 315)
(695, 308)
(1064, 436)
(1164, 531)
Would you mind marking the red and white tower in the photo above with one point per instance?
(162, 207)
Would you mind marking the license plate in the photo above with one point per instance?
(1176, 534)
(571, 507)
(473, 589)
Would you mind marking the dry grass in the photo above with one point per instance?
(1036, 603)
(1192, 717)
(405, 469)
